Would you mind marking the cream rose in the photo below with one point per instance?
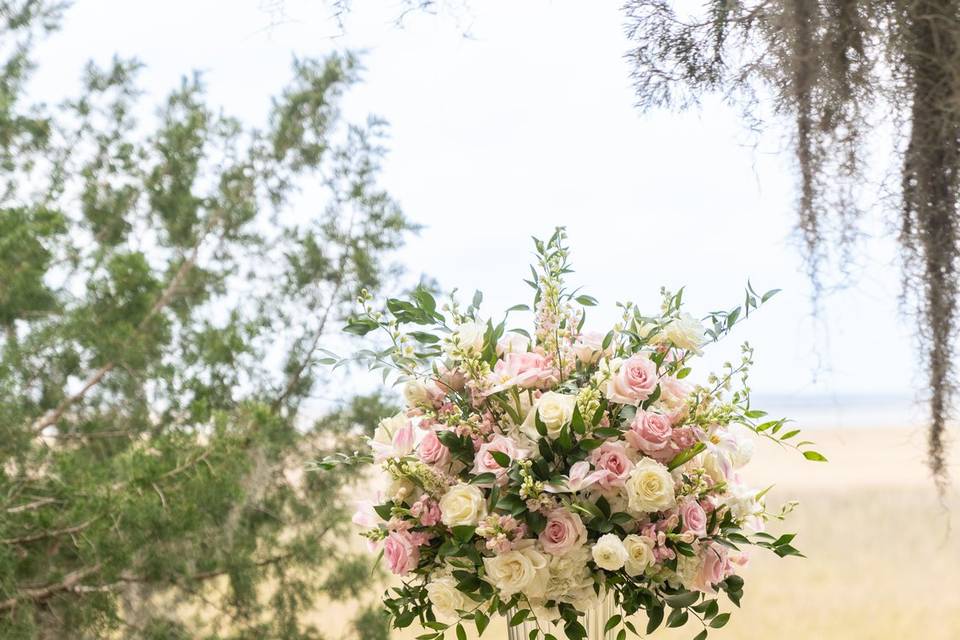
(650, 487)
(685, 332)
(416, 394)
(462, 505)
(555, 410)
(522, 570)
(639, 554)
(468, 337)
(446, 598)
(609, 552)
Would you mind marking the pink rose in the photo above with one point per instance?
(401, 552)
(694, 518)
(681, 439)
(634, 381)
(432, 450)
(649, 432)
(715, 568)
(564, 531)
(526, 369)
(484, 462)
(611, 458)
(427, 510)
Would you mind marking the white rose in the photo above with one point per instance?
(522, 570)
(512, 343)
(609, 552)
(446, 598)
(555, 409)
(639, 554)
(650, 487)
(468, 337)
(685, 332)
(416, 394)
(462, 505)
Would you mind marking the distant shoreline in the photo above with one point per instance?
(818, 411)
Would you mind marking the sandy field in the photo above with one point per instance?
(883, 561)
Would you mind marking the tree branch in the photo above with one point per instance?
(196, 577)
(43, 535)
(51, 417)
(30, 506)
(298, 374)
(186, 465)
(207, 575)
(39, 594)
(71, 583)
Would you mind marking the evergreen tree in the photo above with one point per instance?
(164, 299)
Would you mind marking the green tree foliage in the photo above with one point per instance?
(163, 300)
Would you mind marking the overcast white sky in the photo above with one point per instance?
(526, 125)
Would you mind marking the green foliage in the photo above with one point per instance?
(151, 273)
(372, 624)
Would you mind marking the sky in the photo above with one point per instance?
(528, 122)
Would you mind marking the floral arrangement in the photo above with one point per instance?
(533, 475)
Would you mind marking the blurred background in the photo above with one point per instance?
(501, 120)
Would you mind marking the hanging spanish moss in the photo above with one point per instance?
(833, 67)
